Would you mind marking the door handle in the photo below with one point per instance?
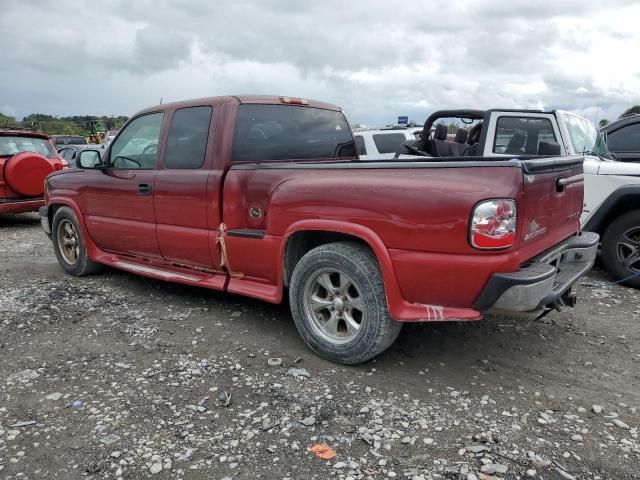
(144, 189)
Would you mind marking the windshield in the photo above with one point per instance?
(9, 146)
(585, 137)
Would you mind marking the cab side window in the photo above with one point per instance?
(137, 145)
(626, 139)
(187, 138)
(362, 149)
(388, 142)
(522, 135)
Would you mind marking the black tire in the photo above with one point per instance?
(65, 218)
(376, 331)
(613, 252)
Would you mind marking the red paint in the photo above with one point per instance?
(25, 173)
(20, 206)
(117, 218)
(415, 220)
(22, 175)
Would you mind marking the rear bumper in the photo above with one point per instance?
(544, 281)
(19, 206)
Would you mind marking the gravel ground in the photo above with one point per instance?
(118, 376)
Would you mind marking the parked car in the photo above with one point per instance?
(70, 152)
(109, 136)
(623, 138)
(383, 143)
(269, 195)
(62, 140)
(26, 158)
(612, 199)
(611, 188)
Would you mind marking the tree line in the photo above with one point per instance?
(83, 125)
(629, 111)
(86, 125)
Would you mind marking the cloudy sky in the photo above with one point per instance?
(376, 59)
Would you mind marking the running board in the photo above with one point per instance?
(134, 267)
(212, 280)
(199, 278)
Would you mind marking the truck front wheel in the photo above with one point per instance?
(621, 249)
(339, 304)
(68, 243)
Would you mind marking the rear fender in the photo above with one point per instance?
(399, 308)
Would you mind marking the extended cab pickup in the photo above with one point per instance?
(260, 195)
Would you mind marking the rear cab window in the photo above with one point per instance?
(69, 140)
(287, 132)
(522, 135)
(388, 142)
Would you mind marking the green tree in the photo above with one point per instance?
(603, 122)
(8, 121)
(629, 111)
(82, 125)
(453, 127)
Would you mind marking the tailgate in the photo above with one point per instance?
(550, 211)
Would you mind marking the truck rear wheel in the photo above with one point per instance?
(69, 245)
(621, 249)
(339, 304)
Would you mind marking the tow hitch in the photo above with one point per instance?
(568, 299)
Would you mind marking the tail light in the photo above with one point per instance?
(493, 224)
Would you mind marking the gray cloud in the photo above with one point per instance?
(377, 59)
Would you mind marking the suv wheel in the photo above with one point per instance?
(68, 243)
(339, 304)
(621, 249)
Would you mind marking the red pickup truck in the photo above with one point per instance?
(262, 195)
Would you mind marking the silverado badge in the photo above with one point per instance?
(535, 231)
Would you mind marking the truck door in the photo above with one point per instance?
(187, 190)
(118, 207)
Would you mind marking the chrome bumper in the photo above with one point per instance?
(543, 282)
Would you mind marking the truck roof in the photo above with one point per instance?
(631, 118)
(264, 99)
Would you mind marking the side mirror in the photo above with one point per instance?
(613, 156)
(89, 159)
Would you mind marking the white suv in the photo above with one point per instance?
(383, 143)
(611, 188)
